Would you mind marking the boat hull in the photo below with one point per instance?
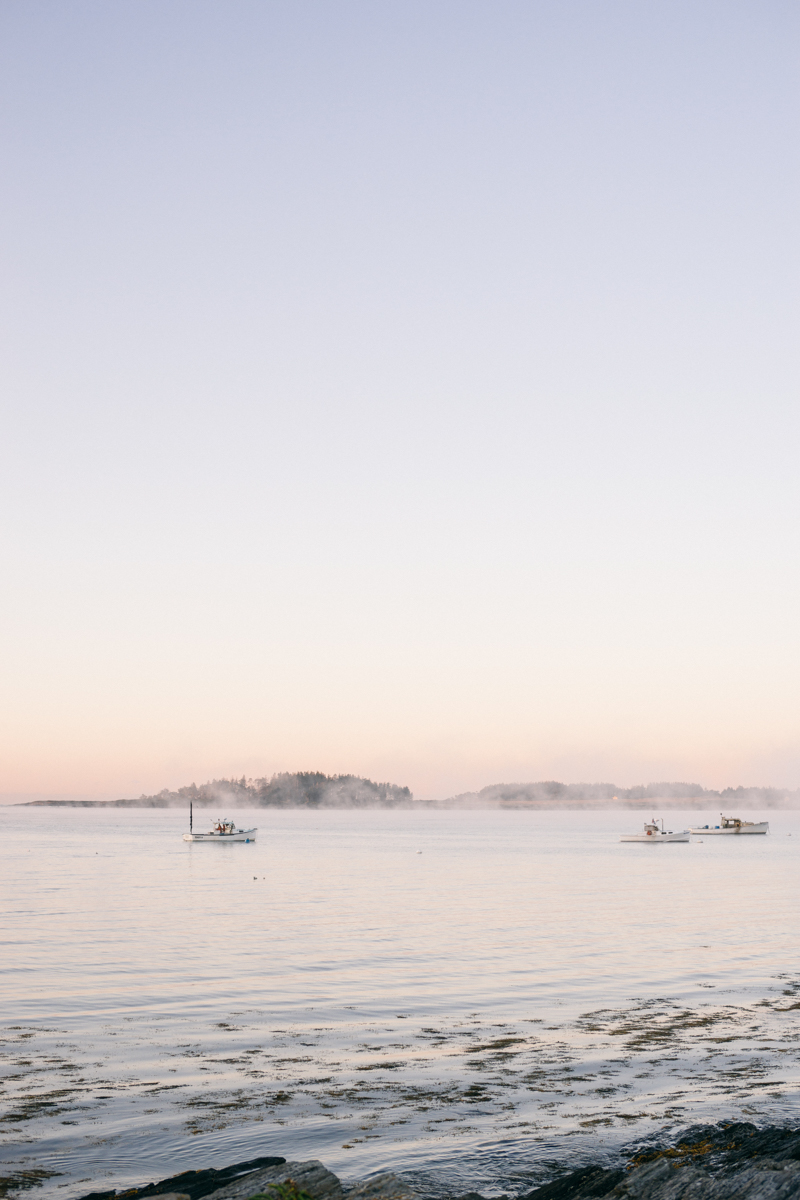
(656, 839)
(761, 827)
(241, 835)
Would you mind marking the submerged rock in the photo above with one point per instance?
(383, 1187)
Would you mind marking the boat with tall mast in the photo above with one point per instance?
(224, 831)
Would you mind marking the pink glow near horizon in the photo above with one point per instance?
(406, 391)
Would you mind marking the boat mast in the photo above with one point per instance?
(190, 816)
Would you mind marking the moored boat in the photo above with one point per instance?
(655, 836)
(734, 825)
(223, 831)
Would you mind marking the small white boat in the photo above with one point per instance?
(733, 825)
(654, 835)
(223, 831)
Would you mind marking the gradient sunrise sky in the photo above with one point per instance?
(407, 389)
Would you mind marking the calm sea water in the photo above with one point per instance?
(475, 999)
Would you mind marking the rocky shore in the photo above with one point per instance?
(710, 1162)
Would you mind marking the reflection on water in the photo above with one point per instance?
(525, 991)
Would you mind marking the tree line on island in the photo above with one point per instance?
(313, 789)
(297, 789)
(551, 794)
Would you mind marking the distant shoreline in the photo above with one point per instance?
(314, 789)
(669, 803)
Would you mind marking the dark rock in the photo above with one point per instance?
(194, 1184)
(586, 1182)
(726, 1146)
(310, 1177)
(662, 1180)
(734, 1161)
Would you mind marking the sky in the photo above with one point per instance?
(399, 389)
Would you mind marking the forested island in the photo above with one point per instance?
(313, 789)
(299, 789)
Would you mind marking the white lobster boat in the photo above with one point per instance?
(734, 825)
(655, 836)
(223, 831)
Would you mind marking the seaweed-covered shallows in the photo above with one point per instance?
(708, 1162)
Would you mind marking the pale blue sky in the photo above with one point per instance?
(406, 389)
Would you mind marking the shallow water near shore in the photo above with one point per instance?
(474, 999)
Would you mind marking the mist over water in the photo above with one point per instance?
(471, 997)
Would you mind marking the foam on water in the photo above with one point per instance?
(525, 992)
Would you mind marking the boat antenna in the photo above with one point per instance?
(190, 816)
